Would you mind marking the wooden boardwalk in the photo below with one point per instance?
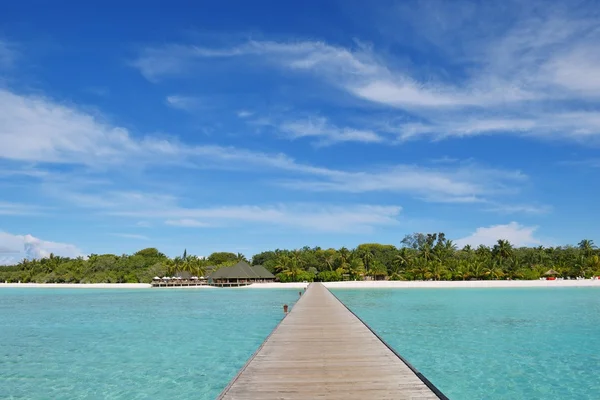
(321, 350)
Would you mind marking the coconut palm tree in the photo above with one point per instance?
(356, 268)
(587, 246)
(436, 270)
(402, 260)
(502, 250)
(367, 258)
(420, 268)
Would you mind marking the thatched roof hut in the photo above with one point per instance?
(551, 272)
(242, 271)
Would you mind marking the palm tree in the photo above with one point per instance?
(503, 249)
(281, 263)
(378, 269)
(594, 263)
(194, 265)
(494, 271)
(402, 259)
(436, 270)
(240, 257)
(587, 246)
(427, 253)
(367, 258)
(420, 268)
(330, 261)
(356, 268)
(344, 255)
(292, 265)
(170, 266)
(476, 269)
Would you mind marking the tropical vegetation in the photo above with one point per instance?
(418, 257)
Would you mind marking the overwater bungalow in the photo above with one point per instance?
(240, 274)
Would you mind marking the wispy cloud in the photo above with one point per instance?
(187, 223)
(537, 73)
(244, 113)
(515, 233)
(520, 208)
(317, 128)
(323, 218)
(326, 133)
(60, 134)
(186, 103)
(459, 184)
(9, 208)
(318, 217)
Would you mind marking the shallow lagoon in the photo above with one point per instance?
(130, 344)
(492, 343)
(181, 344)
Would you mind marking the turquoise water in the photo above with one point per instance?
(492, 343)
(122, 344)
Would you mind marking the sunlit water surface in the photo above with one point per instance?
(492, 343)
(130, 344)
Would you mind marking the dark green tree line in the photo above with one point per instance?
(419, 256)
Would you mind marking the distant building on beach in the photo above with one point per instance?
(240, 274)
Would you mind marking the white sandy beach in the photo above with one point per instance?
(335, 285)
(435, 284)
(78, 285)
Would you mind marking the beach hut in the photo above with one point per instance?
(185, 275)
(551, 274)
(240, 274)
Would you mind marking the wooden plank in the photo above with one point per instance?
(321, 350)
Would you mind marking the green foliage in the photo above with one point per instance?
(150, 252)
(421, 256)
(329, 276)
(222, 257)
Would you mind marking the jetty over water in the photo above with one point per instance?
(321, 350)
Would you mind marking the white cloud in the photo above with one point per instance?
(531, 71)
(186, 103)
(520, 208)
(460, 184)
(8, 208)
(59, 134)
(16, 247)
(518, 235)
(37, 129)
(327, 218)
(326, 133)
(187, 223)
(244, 113)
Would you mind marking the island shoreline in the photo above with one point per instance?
(337, 285)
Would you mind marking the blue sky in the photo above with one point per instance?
(247, 126)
